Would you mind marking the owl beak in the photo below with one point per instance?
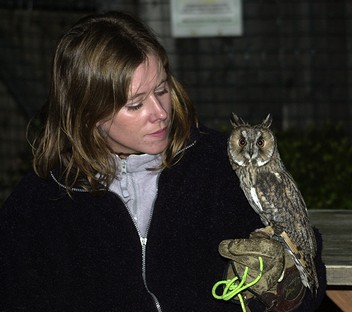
(249, 155)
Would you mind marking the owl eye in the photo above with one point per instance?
(242, 142)
(260, 143)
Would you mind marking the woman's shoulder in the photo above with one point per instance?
(30, 184)
(210, 138)
(207, 153)
(211, 135)
(210, 143)
(30, 189)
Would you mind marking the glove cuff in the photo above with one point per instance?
(284, 296)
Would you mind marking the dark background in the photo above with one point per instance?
(292, 60)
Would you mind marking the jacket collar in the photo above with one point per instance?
(137, 163)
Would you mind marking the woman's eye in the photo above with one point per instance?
(161, 92)
(134, 107)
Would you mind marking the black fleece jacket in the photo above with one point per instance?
(84, 254)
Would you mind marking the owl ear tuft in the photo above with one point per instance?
(236, 121)
(267, 121)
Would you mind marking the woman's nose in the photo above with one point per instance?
(157, 109)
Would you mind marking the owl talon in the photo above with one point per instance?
(267, 232)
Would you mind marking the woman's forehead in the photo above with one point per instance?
(148, 75)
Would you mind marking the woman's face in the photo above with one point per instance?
(142, 125)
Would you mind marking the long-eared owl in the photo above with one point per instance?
(273, 193)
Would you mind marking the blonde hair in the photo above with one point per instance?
(92, 69)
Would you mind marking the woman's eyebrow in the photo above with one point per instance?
(161, 82)
(143, 93)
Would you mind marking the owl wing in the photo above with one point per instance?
(284, 207)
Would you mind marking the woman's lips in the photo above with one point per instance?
(160, 133)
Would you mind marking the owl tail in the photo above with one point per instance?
(305, 266)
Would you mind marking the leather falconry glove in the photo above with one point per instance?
(279, 287)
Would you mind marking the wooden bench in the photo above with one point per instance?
(336, 229)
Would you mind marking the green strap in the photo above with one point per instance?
(234, 288)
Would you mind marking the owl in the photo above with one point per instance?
(273, 193)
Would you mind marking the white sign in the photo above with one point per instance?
(206, 18)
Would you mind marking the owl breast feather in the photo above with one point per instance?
(258, 201)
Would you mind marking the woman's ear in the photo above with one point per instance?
(102, 123)
(104, 126)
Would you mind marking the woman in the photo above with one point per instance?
(130, 197)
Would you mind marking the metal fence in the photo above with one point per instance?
(293, 60)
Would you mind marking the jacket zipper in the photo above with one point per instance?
(144, 273)
(143, 241)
